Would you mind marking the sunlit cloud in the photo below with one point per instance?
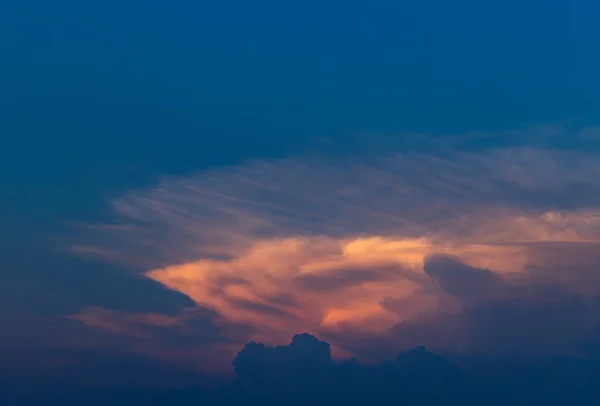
(349, 249)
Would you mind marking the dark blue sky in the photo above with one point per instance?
(95, 91)
(99, 97)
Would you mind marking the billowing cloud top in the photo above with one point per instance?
(488, 251)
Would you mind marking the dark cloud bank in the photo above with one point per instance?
(524, 344)
(303, 373)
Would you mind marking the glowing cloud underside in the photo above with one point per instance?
(341, 247)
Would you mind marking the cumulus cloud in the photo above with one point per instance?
(462, 250)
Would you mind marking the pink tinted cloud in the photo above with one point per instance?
(340, 247)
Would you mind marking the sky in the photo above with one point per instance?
(180, 178)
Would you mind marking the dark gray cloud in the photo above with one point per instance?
(470, 285)
(510, 315)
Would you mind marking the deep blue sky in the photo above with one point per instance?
(96, 91)
(97, 97)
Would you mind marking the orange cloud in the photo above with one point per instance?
(316, 283)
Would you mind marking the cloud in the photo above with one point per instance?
(462, 281)
(504, 315)
(375, 253)
(516, 316)
(341, 279)
(192, 338)
(221, 212)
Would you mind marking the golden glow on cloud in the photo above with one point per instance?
(316, 283)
